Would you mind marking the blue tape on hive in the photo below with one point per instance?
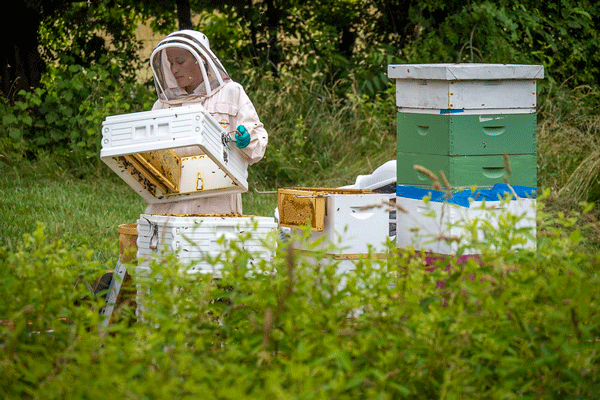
(461, 198)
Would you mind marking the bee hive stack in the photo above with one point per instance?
(476, 123)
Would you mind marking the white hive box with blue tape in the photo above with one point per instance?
(442, 224)
(173, 154)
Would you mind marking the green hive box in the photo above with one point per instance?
(466, 171)
(456, 134)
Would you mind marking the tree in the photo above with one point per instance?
(261, 26)
(75, 32)
(22, 65)
(332, 39)
(184, 14)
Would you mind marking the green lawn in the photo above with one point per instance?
(80, 211)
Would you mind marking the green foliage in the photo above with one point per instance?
(87, 34)
(336, 39)
(371, 72)
(513, 324)
(316, 135)
(568, 144)
(47, 313)
(64, 117)
(561, 35)
(15, 119)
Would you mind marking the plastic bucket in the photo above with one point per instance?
(127, 242)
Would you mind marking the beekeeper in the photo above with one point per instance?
(185, 72)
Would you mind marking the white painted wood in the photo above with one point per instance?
(465, 71)
(465, 95)
(353, 229)
(223, 168)
(196, 239)
(425, 222)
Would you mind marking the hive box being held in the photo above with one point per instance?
(140, 148)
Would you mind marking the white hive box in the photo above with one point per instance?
(340, 216)
(196, 237)
(466, 88)
(355, 229)
(426, 222)
(139, 148)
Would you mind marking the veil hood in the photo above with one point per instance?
(214, 75)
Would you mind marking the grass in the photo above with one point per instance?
(78, 211)
(81, 212)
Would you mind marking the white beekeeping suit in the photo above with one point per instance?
(185, 72)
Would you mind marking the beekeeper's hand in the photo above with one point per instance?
(242, 137)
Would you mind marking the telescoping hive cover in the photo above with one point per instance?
(141, 149)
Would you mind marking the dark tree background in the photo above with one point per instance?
(22, 65)
(336, 39)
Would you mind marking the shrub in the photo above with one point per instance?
(64, 117)
(48, 313)
(516, 323)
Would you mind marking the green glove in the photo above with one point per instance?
(242, 137)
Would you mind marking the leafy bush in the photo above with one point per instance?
(65, 116)
(48, 313)
(513, 324)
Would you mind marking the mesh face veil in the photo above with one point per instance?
(185, 68)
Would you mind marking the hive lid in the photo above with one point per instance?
(173, 154)
(465, 71)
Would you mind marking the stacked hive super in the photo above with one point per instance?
(140, 148)
(461, 119)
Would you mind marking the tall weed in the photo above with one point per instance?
(568, 139)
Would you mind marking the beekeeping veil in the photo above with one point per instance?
(213, 73)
